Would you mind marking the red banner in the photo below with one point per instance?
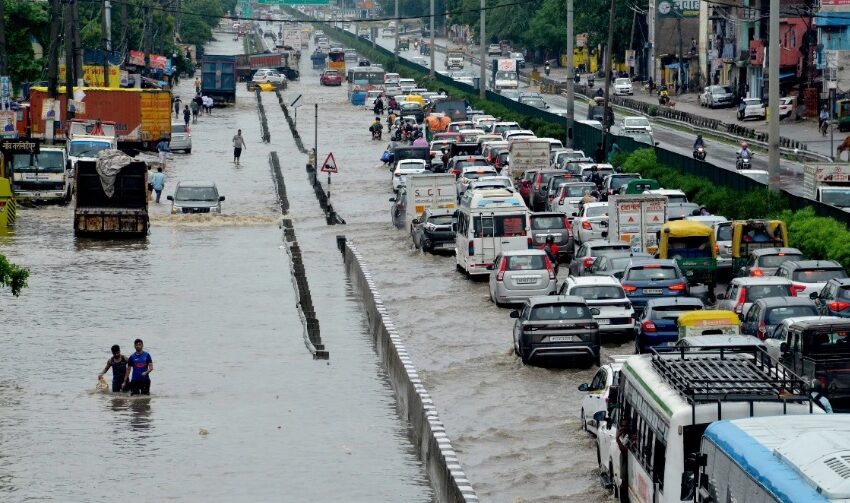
(137, 58)
(156, 61)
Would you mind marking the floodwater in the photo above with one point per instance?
(516, 428)
(239, 410)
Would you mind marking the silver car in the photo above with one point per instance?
(520, 274)
(181, 138)
(196, 197)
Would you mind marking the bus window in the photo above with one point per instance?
(659, 451)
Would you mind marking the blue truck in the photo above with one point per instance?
(218, 78)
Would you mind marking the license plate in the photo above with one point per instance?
(526, 281)
(604, 321)
(446, 245)
(652, 291)
(561, 338)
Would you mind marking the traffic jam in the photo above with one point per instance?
(728, 330)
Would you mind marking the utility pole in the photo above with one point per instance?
(69, 61)
(482, 83)
(606, 126)
(397, 29)
(53, 52)
(433, 47)
(3, 69)
(107, 40)
(650, 31)
(570, 69)
(124, 23)
(78, 46)
(147, 35)
(681, 65)
(773, 98)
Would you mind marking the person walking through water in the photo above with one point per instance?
(158, 182)
(118, 364)
(187, 115)
(238, 145)
(177, 103)
(140, 365)
(162, 149)
(195, 110)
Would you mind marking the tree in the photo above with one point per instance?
(12, 276)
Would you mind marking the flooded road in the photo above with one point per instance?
(239, 411)
(516, 428)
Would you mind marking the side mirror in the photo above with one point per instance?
(392, 199)
(583, 387)
(170, 198)
(575, 214)
(783, 347)
(813, 296)
(599, 416)
(221, 198)
(514, 314)
(635, 316)
(594, 311)
(687, 489)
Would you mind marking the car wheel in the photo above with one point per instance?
(637, 346)
(523, 356)
(598, 458)
(188, 150)
(584, 424)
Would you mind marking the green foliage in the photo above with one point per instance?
(12, 276)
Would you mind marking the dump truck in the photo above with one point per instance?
(111, 202)
(142, 117)
(218, 78)
(828, 183)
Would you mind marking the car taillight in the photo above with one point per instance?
(587, 262)
(630, 288)
(838, 306)
(717, 248)
(586, 225)
(742, 296)
(500, 276)
(471, 247)
(756, 272)
(762, 331)
(397, 174)
(797, 289)
(677, 287)
(549, 267)
(647, 326)
(563, 198)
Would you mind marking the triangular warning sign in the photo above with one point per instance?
(655, 218)
(329, 165)
(631, 220)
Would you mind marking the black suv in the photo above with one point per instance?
(556, 328)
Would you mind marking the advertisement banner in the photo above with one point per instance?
(159, 62)
(136, 58)
(678, 8)
(93, 75)
(7, 119)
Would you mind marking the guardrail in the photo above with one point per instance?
(264, 122)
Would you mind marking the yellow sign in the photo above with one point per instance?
(93, 75)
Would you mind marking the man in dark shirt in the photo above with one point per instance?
(599, 155)
(118, 363)
(140, 365)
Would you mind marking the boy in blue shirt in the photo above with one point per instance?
(140, 365)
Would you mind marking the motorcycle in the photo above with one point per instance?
(546, 69)
(743, 162)
(376, 132)
(699, 153)
(663, 100)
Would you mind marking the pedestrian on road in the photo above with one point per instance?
(197, 85)
(140, 365)
(599, 155)
(177, 103)
(208, 104)
(195, 110)
(162, 149)
(238, 145)
(150, 182)
(118, 364)
(187, 115)
(158, 182)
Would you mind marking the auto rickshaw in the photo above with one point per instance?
(638, 186)
(403, 44)
(842, 112)
(692, 245)
(708, 322)
(749, 235)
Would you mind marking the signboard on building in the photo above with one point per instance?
(581, 40)
(678, 8)
(93, 75)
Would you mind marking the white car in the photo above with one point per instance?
(518, 133)
(758, 175)
(622, 86)
(181, 138)
(636, 125)
(472, 173)
(786, 106)
(492, 182)
(673, 195)
(751, 108)
(775, 339)
(568, 196)
(741, 293)
(494, 49)
(591, 222)
(408, 167)
(406, 85)
(268, 75)
(607, 295)
(596, 393)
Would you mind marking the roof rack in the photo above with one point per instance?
(711, 374)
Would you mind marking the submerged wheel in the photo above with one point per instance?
(584, 428)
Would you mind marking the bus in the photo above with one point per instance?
(364, 78)
(775, 460)
(488, 223)
(336, 60)
(665, 402)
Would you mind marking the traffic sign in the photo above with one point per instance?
(329, 166)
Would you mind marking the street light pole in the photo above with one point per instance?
(773, 99)
(570, 69)
(482, 84)
(397, 28)
(606, 127)
(431, 49)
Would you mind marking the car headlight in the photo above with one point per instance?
(176, 209)
(430, 227)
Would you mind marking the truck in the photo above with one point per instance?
(828, 183)
(292, 38)
(454, 58)
(637, 220)
(111, 210)
(141, 117)
(505, 75)
(525, 154)
(87, 138)
(421, 192)
(218, 78)
(41, 177)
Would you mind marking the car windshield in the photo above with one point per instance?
(599, 292)
(578, 190)
(756, 292)
(619, 263)
(48, 161)
(651, 273)
(547, 222)
(474, 175)
(196, 194)
(672, 312)
(473, 163)
(829, 342)
(619, 181)
(720, 90)
(596, 211)
(535, 102)
(622, 81)
(440, 220)
(777, 260)
(85, 148)
(332, 73)
(636, 122)
(560, 312)
(526, 263)
(817, 275)
(178, 128)
(775, 315)
(836, 197)
(607, 250)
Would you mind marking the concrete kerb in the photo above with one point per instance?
(413, 402)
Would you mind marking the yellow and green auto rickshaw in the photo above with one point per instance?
(749, 235)
(692, 246)
(708, 322)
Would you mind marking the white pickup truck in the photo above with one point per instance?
(87, 138)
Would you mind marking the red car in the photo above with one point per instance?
(331, 78)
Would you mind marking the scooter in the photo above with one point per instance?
(743, 162)
(699, 153)
(546, 69)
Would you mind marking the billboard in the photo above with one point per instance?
(93, 75)
(678, 8)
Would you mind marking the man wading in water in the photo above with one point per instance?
(118, 363)
(141, 365)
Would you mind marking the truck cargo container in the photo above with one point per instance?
(123, 214)
(142, 117)
(532, 153)
(421, 192)
(218, 77)
(637, 220)
(828, 183)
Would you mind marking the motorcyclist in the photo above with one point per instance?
(375, 128)
(600, 93)
(663, 96)
(745, 152)
(379, 106)
(445, 159)
(822, 117)
(587, 198)
(551, 250)
(546, 68)
(699, 142)
(595, 178)
(390, 120)
(392, 104)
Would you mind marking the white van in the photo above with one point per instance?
(488, 223)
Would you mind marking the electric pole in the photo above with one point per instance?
(606, 125)
(107, 40)
(69, 61)
(773, 98)
(482, 84)
(53, 51)
(570, 68)
(78, 48)
(124, 23)
(3, 38)
(397, 29)
(433, 47)
(147, 36)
